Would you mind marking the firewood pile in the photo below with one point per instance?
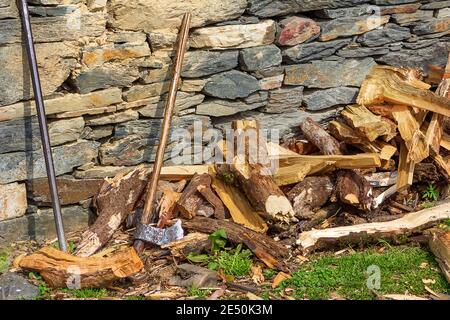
(362, 177)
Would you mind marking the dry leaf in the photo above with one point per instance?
(402, 297)
(257, 275)
(252, 296)
(423, 265)
(428, 281)
(280, 278)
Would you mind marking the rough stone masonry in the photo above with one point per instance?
(105, 67)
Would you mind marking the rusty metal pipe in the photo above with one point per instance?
(168, 114)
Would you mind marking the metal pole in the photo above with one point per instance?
(23, 8)
(168, 113)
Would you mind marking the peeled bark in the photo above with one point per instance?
(117, 198)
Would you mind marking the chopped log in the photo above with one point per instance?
(381, 110)
(436, 128)
(353, 189)
(368, 124)
(255, 177)
(310, 194)
(443, 164)
(320, 216)
(405, 169)
(117, 198)
(409, 224)
(319, 137)
(348, 135)
(167, 206)
(439, 243)
(208, 194)
(176, 173)
(60, 269)
(425, 172)
(388, 84)
(300, 146)
(191, 199)
(192, 242)
(410, 132)
(382, 179)
(355, 161)
(240, 209)
(272, 253)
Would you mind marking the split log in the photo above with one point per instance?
(191, 199)
(176, 173)
(255, 176)
(117, 198)
(240, 209)
(167, 206)
(409, 129)
(381, 110)
(405, 169)
(193, 242)
(443, 164)
(348, 135)
(436, 127)
(272, 253)
(368, 124)
(353, 189)
(355, 161)
(310, 194)
(300, 146)
(388, 84)
(60, 269)
(409, 224)
(439, 243)
(319, 137)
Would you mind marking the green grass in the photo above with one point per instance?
(402, 270)
(88, 293)
(44, 291)
(4, 261)
(198, 293)
(135, 298)
(269, 273)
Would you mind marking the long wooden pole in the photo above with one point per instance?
(168, 114)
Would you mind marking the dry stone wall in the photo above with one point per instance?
(105, 67)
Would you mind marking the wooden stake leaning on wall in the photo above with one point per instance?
(168, 114)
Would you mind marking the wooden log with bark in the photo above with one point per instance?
(439, 243)
(198, 190)
(272, 253)
(60, 269)
(393, 85)
(251, 166)
(320, 138)
(409, 224)
(300, 146)
(353, 189)
(117, 198)
(348, 135)
(310, 194)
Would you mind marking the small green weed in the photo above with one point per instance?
(431, 194)
(198, 293)
(87, 293)
(4, 261)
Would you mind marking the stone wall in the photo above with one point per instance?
(105, 66)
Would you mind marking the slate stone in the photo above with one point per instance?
(49, 29)
(231, 85)
(386, 2)
(405, 19)
(258, 58)
(18, 166)
(436, 25)
(272, 8)
(435, 5)
(310, 5)
(71, 191)
(313, 51)
(329, 74)
(284, 124)
(315, 100)
(14, 286)
(388, 34)
(269, 72)
(41, 225)
(350, 26)
(156, 108)
(424, 59)
(296, 30)
(221, 108)
(13, 201)
(285, 99)
(204, 63)
(57, 11)
(420, 44)
(362, 52)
